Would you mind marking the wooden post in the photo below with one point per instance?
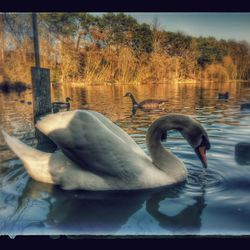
(36, 40)
(1, 47)
(41, 91)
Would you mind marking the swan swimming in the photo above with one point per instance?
(95, 154)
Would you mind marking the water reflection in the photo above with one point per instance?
(152, 110)
(79, 212)
(186, 221)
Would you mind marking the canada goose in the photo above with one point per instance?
(96, 154)
(148, 104)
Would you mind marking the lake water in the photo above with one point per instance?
(212, 202)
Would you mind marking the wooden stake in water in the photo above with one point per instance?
(41, 92)
(41, 88)
(1, 47)
(36, 40)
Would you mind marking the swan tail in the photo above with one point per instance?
(35, 162)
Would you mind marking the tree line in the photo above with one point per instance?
(116, 48)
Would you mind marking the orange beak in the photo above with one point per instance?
(201, 152)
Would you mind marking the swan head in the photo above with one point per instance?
(198, 139)
(191, 130)
(201, 149)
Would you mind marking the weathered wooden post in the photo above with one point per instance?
(1, 47)
(41, 89)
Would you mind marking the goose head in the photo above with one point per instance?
(134, 102)
(128, 94)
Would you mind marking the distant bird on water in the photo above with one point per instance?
(61, 105)
(245, 106)
(223, 95)
(242, 153)
(147, 104)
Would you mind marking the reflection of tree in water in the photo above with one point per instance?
(188, 220)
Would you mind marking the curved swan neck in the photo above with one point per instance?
(162, 157)
(161, 126)
(133, 100)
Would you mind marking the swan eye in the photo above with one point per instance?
(164, 136)
(205, 142)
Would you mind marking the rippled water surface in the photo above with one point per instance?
(215, 201)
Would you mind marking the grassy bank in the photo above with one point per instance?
(115, 48)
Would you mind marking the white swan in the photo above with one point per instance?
(95, 154)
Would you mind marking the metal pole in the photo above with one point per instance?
(36, 40)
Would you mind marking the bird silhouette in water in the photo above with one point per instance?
(245, 106)
(56, 106)
(242, 153)
(223, 96)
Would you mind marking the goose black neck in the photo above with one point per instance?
(134, 102)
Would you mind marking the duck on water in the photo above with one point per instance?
(56, 106)
(245, 106)
(223, 96)
(95, 154)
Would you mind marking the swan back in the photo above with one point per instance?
(95, 143)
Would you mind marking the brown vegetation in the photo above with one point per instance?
(98, 53)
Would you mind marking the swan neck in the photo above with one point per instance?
(161, 157)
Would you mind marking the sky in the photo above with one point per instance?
(234, 26)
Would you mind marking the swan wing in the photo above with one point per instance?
(94, 142)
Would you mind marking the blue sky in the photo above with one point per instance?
(220, 25)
